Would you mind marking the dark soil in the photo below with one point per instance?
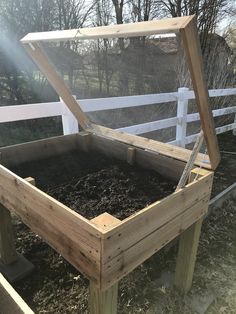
(56, 287)
(92, 184)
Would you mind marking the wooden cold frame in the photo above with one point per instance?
(186, 27)
(104, 249)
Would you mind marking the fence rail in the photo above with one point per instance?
(181, 97)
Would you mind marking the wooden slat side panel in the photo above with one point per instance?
(192, 49)
(142, 250)
(140, 225)
(16, 154)
(168, 167)
(165, 149)
(75, 238)
(111, 31)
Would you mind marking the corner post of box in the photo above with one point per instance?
(187, 252)
(182, 111)
(103, 300)
(8, 253)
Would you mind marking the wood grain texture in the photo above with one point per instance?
(138, 237)
(15, 155)
(147, 220)
(73, 236)
(103, 301)
(193, 53)
(127, 260)
(187, 252)
(168, 167)
(112, 31)
(165, 149)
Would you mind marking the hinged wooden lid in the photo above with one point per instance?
(186, 27)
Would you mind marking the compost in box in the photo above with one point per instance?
(92, 184)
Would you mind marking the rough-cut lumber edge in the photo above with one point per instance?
(139, 236)
(103, 301)
(41, 60)
(8, 253)
(73, 236)
(10, 301)
(165, 149)
(11, 156)
(146, 28)
(187, 253)
(192, 49)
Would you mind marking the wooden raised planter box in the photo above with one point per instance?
(105, 249)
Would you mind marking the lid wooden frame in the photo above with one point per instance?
(186, 27)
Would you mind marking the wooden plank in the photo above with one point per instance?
(111, 31)
(117, 268)
(15, 155)
(41, 60)
(103, 301)
(8, 253)
(165, 149)
(168, 167)
(187, 253)
(138, 226)
(192, 49)
(188, 245)
(10, 301)
(36, 150)
(71, 235)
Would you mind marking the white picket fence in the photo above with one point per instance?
(181, 97)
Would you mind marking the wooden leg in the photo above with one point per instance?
(188, 245)
(7, 238)
(103, 302)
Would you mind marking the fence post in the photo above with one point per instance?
(69, 122)
(182, 111)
